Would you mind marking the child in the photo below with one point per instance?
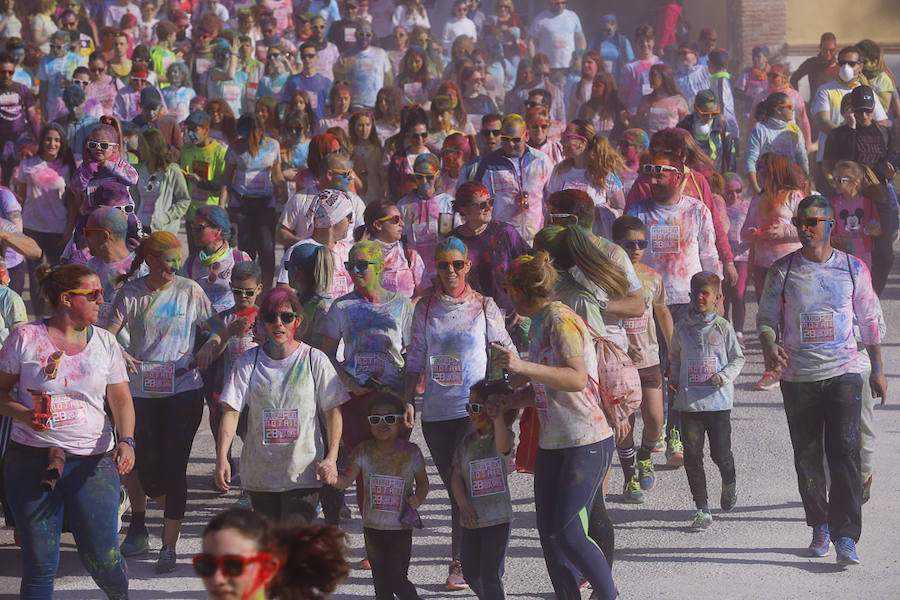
(856, 218)
(705, 360)
(388, 465)
(736, 207)
(478, 483)
(629, 232)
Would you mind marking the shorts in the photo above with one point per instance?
(651, 377)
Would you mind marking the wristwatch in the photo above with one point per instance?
(127, 440)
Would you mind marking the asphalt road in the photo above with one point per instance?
(756, 551)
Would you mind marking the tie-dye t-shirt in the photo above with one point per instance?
(506, 178)
(643, 346)
(682, 243)
(568, 419)
(79, 424)
(374, 335)
(820, 303)
(449, 343)
(420, 224)
(215, 279)
(388, 480)
(404, 269)
(484, 471)
(284, 439)
(163, 327)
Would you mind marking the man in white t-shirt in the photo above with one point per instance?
(557, 33)
(458, 25)
(366, 67)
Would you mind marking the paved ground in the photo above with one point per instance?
(757, 551)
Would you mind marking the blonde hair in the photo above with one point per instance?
(603, 161)
(154, 244)
(571, 247)
(533, 274)
(850, 169)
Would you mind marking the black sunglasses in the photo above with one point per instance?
(808, 221)
(852, 63)
(633, 244)
(286, 317)
(444, 265)
(490, 132)
(418, 135)
(357, 266)
(246, 293)
(474, 407)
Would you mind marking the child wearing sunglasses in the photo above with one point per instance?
(480, 470)
(857, 219)
(395, 485)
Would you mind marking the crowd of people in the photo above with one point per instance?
(515, 230)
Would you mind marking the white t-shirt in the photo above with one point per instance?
(45, 187)
(12, 311)
(341, 283)
(284, 439)
(78, 424)
(297, 214)
(455, 28)
(576, 179)
(555, 36)
(163, 328)
(8, 206)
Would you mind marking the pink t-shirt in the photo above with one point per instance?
(643, 347)
(851, 218)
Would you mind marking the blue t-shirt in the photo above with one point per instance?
(317, 87)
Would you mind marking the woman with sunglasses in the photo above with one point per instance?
(212, 262)
(475, 101)
(406, 146)
(66, 372)
(591, 165)
(575, 447)
(286, 385)
(404, 269)
(453, 327)
(779, 79)
(164, 313)
(373, 324)
(244, 556)
(777, 133)
(101, 92)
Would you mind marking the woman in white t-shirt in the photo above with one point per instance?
(453, 326)
(163, 312)
(287, 385)
(41, 182)
(404, 269)
(590, 165)
(77, 369)
(576, 442)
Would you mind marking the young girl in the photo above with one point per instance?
(480, 489)
(367, 154)
(856, 218)
(736, 207)
(389, 466)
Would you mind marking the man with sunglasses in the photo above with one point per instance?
(316, 85)
(516, 176)
(342, 32)
(55, 70)
(811, 301)
(82, 43)
(366, 67)
(18, 116)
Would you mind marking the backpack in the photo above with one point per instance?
(619, 382)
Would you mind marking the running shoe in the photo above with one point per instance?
(167, 559)
(845, 551)
(661, 442)
(124, 505)
(646, 474)
(674, 450)
(136, 542)
(769, 381)
(729, 496)
(702, 521)
(364, 565)
(821, 541)
(631, 493)
(455, 579)
(867, 487)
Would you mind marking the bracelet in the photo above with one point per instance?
(127, 440)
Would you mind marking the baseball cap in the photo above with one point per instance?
(150, 98)
(198, 118)
(862, 98)
(705, 97)
(427, 164)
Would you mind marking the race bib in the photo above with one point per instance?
(503, 182)
(158, 378)
(486, 477)
(341, 285)
(446, 370)
(817, 327)
(369, 363)
(366, 65)
(646, 89)
(576, 185)
(385, 492)
(200, 168)
(635, 326)
(66, 411)
(313, 100)
(280, 426)
(561, 41)
(232, 93)
(390, 280)
(202, 65)
(541, 402)
(350, 35)
(701, 369)
(665, 239)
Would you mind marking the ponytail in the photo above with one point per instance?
(571, 247)
(154, 244)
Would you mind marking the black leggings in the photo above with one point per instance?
(163, 435)
(388, 553)
(256, 234)
(695, 427)
(484, 559)
(52, 246)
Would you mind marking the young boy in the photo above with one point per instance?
(705, 360)
(478, 483)
(643, 348)
(389, 466)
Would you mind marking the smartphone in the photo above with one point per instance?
(445, 223)
(496, 380)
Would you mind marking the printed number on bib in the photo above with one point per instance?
(486, 477)
(386, 492)
(541, 402)
(66, 411)
(446, 370)
(370, 363)
(280, 426)
(665, 239)
(636, 326)
(158, 378)
(701, 369)
(817, 327)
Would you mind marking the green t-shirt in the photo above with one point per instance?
(208, 162)
(12, 311)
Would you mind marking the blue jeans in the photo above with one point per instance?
(565, 484)
(87, 494)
